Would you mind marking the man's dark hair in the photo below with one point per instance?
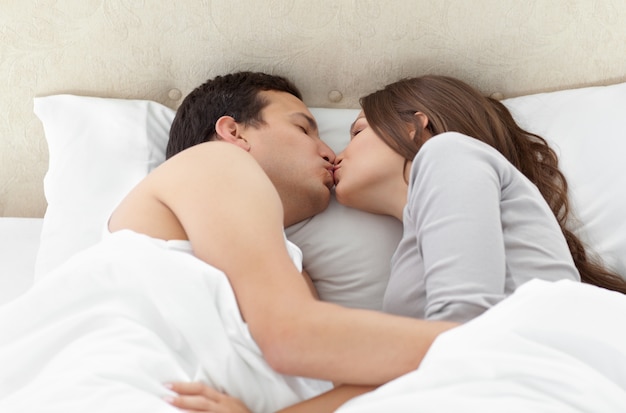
(235, 95)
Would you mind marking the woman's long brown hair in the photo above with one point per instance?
(453, 106)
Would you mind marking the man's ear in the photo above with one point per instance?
(228, 130)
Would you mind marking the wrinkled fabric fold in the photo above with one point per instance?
(107, 329)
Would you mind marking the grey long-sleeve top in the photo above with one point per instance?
(475, 229)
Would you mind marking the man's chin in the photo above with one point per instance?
(324, 201)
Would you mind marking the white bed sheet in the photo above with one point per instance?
(19, 241)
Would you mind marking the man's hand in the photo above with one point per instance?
(198, 397)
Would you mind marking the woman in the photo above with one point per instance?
(484, 209)
(483, 203)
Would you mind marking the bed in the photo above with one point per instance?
(88, 81)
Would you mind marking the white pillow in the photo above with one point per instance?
(587, 128)
(99, 149)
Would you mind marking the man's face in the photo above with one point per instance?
(289, 149)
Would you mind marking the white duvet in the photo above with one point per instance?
(106, 330)
(551, 347)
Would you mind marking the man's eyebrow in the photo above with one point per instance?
(310, 120)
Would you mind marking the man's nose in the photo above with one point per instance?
(327, 153)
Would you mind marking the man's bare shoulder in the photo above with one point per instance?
(208, 161)
(219, 152)
(208, 169)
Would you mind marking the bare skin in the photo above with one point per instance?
(198, 397)
(370, 175)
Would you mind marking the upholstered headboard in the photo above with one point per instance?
(335, 51)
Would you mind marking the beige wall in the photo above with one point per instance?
(161, 49)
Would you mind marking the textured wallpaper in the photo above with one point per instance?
(335, 50)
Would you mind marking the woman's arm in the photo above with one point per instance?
(454, 205)
(233, 218)
(329, 401)
(199, 397)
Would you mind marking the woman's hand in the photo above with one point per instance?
(198, 397)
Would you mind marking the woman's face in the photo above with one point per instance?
(368, 172)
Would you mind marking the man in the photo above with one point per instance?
(150, 302)
(229, 108)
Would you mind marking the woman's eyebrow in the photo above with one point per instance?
(355, 121)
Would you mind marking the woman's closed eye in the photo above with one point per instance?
(358, 126)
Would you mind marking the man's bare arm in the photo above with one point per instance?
(233, 217)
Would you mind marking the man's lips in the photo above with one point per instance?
(334, 173)
(331, 182)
